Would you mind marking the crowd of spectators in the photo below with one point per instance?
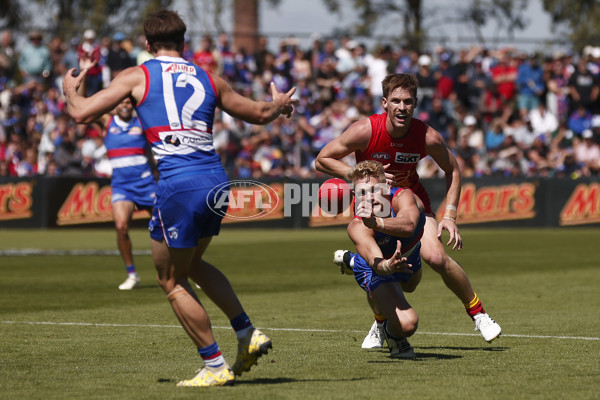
(503, 112)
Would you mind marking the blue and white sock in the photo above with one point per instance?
(211, 355)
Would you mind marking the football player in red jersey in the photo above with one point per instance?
(399, 141)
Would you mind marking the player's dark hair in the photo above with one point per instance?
(164, 29)
(405, 81)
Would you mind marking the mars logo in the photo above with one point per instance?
(583, 206)
(380, 156)
(407, 158)
(243, 200)
(16, 200)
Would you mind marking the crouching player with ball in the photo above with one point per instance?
(386, 231)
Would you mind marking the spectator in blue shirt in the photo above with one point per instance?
(580, 120)
(530, 85)
(34, 62)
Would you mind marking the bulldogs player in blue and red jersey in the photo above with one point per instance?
(175, 102)
(387, 231)
(132, 181)
(399, 141)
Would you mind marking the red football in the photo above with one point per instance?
(335, 196)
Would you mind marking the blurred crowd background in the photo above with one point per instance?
(503, 112)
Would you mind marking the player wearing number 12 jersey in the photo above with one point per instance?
(175, 102)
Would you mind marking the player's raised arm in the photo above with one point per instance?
(84, 110)
(355, 138)
(254, 112)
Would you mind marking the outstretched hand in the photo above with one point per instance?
(284, 100)
(397, 263)
(452, 229)
(86, 62)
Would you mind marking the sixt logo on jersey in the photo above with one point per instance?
(380, 156)
(407, 158)
(174, 68)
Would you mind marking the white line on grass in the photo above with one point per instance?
(66, 252)
(290, 329)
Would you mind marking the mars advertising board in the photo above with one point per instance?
(16, 200)
(582, 206)
(88, 202)
(510, 202)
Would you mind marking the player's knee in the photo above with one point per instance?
(410, 325)
(122, 229)
(437, 260)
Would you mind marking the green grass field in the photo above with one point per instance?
(67, 332)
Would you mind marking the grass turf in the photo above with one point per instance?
(68, 332)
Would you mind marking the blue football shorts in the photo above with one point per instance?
(189, 208)
(142, 193)
(369, 280)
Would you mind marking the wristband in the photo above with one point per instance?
(451, 207)
(450, 214)
(382, 223)
(385, 265)
(451, 219)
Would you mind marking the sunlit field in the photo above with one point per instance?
(69, 333)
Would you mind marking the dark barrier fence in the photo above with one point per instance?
(42, 202)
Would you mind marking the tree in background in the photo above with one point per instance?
(577, 19)
(68, 18)
(411, 21)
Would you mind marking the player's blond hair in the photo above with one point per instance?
(365, 169)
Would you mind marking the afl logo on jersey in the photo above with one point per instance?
(380, 156)
(114, 130)
(407, 158)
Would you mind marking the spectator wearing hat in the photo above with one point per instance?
(427, 83)
(89, 49)
(34, 62)
(118, 58)
(474, 135)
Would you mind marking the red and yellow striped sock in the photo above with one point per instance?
(379, 318)
(474, 307)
